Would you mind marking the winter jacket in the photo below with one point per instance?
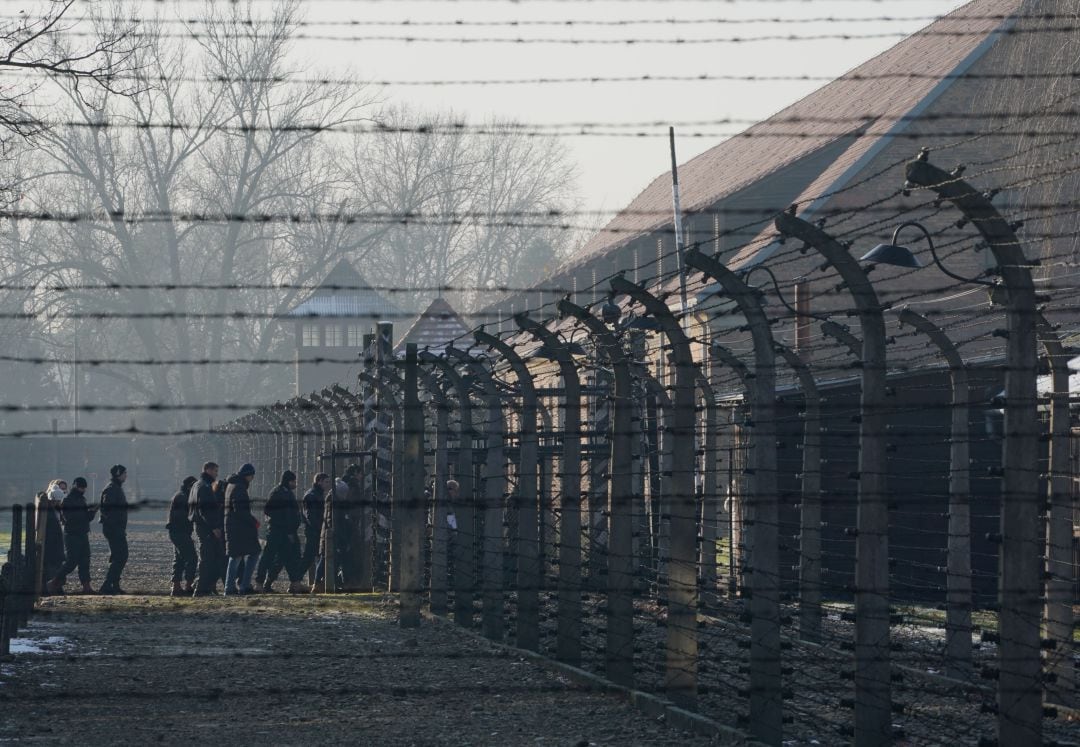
(54, 535)
(179, 521)
(241, 530)
(314, 506)
(205, 511)
(282, 511)
(113, 513)
(75, 513)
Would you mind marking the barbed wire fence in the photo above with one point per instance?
(801, 549)
(594, 524)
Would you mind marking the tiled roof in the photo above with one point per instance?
(859, 96)
(436, 328)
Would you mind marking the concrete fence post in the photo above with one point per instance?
(1019, 684)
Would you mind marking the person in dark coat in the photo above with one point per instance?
(75, 515)
(179, 525)
(207, 516)
(282, 534)
(314, 505)
(241, 533)
(345, 502)
(52, 551)
(113, 515)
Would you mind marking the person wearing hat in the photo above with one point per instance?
(207, 516)
(241, 533)
(283, 535)
(179, 525)
(76, 515)
(113, 515)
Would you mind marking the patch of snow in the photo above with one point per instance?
(54, 644)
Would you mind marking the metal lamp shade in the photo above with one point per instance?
(891, 254)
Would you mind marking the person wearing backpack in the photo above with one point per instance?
(113, 515)
(179, 525)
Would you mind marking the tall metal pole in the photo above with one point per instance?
(620, 601)
(958, 600)
(680, 677)
(676, 200)
(528, 507)
(873, 694)
(568, 626)
(1019, 686)
(766, 702)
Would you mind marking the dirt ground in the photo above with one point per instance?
(274, 669)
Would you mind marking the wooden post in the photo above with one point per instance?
(414, 509)
(30, 558)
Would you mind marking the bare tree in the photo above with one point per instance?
(235, 150)
(473, 204)
(247, 145)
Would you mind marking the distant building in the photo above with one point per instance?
(437, 327)
(330, 325)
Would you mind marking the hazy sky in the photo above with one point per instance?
(612, 169)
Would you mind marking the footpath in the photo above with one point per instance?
(289, 670)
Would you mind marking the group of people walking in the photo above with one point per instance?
(219, 513)
(68, 517)
(213, 530)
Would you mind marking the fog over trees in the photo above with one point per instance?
(184, 205)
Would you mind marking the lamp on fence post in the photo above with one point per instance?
(682, 638)
(766, 704)
(464, 568)
(1019, 686)
(528, 510)
(620, 602)
(568, 632)
(491, 571)
(958, 557)
(873, 697)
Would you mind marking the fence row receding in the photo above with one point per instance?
(633, 498)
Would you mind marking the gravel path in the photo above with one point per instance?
(285, 670)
